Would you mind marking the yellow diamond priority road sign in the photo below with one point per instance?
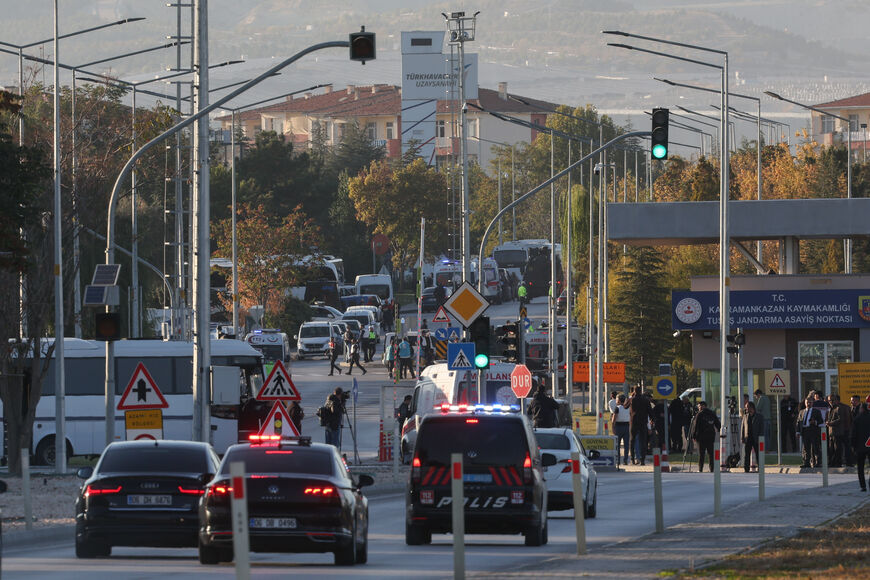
(466, 304)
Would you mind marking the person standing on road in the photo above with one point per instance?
(762, 407)
(543, 408)
(333, 356)
(611, 404)
(704, 430)
(426, 349)
(751, 428)
(296, 414)
(522, 292)
(861, 442)
(839, 428)
(676, 416)
(788, 410)
(405, 353)
(440, 294)
(808, 422)
(404, 411)
(621, 423)
(331, 415)
(640, 415)
(372, 343)
(354, 357)
(391, 354)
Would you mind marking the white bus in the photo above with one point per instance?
(170, 364)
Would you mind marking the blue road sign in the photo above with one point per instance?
(460, 356)
(355, 391)
(664, 386)
(441, 334)
(454, 334)
(526, 323)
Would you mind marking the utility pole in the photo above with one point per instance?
(461, 30)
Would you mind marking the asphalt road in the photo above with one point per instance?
(626, 511)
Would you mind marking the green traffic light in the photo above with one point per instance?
(481, 361)
(659, 151)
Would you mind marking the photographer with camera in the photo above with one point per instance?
(332, 415)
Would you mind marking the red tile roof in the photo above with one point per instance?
(368, 101)
(855, 101)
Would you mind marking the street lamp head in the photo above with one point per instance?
(774, 95)
(628, 46)
(134, 19)
(617, 32)
(666, 81)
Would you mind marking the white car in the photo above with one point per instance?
(376, 312)
(561, 442)
(324, 312)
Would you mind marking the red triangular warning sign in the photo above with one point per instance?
(441, 315)
(777, 382)
(278, 386)
(142, 392)
(278, 422)
(867, 444)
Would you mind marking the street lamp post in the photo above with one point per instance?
(847, 243)
(724, 239)
(513, 186)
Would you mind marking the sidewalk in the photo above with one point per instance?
(694, 545)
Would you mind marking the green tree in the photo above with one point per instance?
(639, 307)
(393, 200)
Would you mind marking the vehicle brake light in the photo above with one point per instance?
(320, 491)
(568, 465)
(91, 490)
(191, 490)
(261, 438)
(415, 469)
(220, 490)
(473, 421)
(445, 407)
(527, 469)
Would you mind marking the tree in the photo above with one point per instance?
(639, 323)
(270, 252)
(26, 253)
(392, 201)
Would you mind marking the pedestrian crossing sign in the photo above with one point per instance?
(278, 422)
(278, 386)
(460, 356)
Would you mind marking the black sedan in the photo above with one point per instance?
(300, 497)
(142, 493)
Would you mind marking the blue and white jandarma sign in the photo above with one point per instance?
(757, 309)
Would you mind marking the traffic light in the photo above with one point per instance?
(737, 341)
(509, 335)
(659, 142)
(362, 45)
(107, 326)
(479, 334)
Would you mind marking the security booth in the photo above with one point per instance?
(806, 325)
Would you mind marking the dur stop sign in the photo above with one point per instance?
(521, 381)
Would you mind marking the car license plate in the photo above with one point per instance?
(146, 500)
(273, 523)
(477, 477)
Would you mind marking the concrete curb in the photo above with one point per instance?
(48, 534)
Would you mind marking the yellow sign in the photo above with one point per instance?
(599, 443)
(144, 419)
(665, 387)
(613, 372)
(777, 382)
(466, 304)
(854, 380)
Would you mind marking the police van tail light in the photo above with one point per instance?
(527, 469)
(415, 469)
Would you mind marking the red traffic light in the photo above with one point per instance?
(362, 45)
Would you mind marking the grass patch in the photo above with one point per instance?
(839, 550)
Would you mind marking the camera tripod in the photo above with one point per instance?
(352, 434)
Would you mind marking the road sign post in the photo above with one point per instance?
(458, 512)
(579, 512)
(657, 490)
(239, 506)
(824, 456)
(761, 468)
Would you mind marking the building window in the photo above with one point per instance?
(340, 128)
(827, 124)
(817, 364)
(853, 123)
(473, 128)
(390, 130)
(441, 129)
(371, 131)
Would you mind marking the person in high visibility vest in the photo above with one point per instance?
(522, 292)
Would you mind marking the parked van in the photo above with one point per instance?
(439, 385)
(274, 344)
(313, 338)
(380, 284)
